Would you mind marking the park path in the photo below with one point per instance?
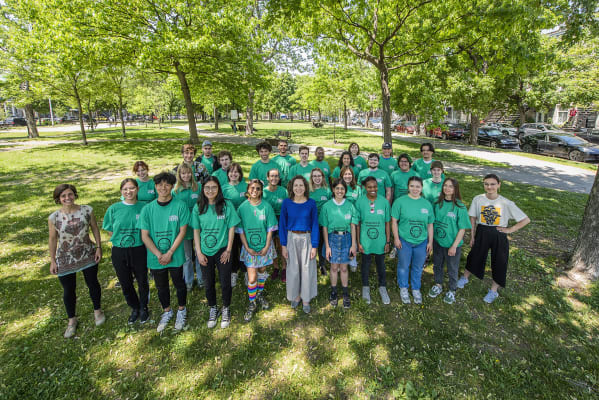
(518, 168)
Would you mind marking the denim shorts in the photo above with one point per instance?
(340, 245)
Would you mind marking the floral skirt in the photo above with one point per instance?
(258, 261)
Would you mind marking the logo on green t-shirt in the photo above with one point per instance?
(372, 233)
(164, 244)
(255, 239)
(440, 232)
(210, 241)
(127, 241)
(416, 231)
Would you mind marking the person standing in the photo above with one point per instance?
(147, 191)
(382, 178)
(373, 235)
(489, 215)
(422, 166)
(319, 162)
(257, 225)
(71, 251)
(451, 222)
(128, 251)
(285, 161)
(345, 160)
(235, 191)
(303, 167)
(431, 187)
(359, 161)
(338, 219)
(264, 164)
(200, 171)
(320, 193)
(163, 225)
(299, 233)
(387, 162)
(274, 195)
(400, 177)
(224, 158)
(207, 158)
(412, 225)
(213, 220)
(353, 192)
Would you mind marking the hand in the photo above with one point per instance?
(284, 252)
(224, 257)
(451, 252)
(166, 258)
(397, 243)
(252, 252)
(471, 240)
(386, 247)
(98, 255)
(360, 248)
(327, 253)
(313, 253)
(505, 230)
(352, 252)
(203, 259)
(263, 252)
(429, 248)
(53, 268)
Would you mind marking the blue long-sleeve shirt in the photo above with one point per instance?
(299, 217)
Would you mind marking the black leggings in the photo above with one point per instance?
(130, 262)
(236, 264)
(489, 238)
(224, 276)
(69, 286)
(164, 291)
(379, 259)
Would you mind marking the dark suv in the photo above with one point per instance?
(563, 145)
(15, 121)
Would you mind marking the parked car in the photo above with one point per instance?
(527, 129)
(376, 123)
(406, 127)
(561, 145)
(395, 124)
(447, 130)
(505, 128)
(588, 134)
(490, 136)
(15, 121)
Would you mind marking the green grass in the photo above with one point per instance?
(536, 341)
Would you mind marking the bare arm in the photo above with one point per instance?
(52, 243)
(521, 224)
(149, 243)
(473, 231)
(327, 248)
(387, 236)
(267, 245)
(389, 194)
(97, 238)
(167, 257)
(452, 250)
(352, 251)
(395, 230)
(198, 246)
(226, 255)
(429, 245)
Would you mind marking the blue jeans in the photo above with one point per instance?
(410, 262)
(188, 270)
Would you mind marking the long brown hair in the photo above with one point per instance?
(353, 182)
(456, 194)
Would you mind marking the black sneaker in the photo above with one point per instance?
(214, 314)
(323, 270)
(346, 301)
(134, 315)
(262, 300)
(333, 298)
(252, 307)
(144, 315)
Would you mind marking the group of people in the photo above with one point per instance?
(203, 217)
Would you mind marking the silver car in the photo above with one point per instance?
(527, 129)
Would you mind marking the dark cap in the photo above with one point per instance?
(387, 145)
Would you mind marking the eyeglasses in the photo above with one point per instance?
(211, 188)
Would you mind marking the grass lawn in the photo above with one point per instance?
(536, 341)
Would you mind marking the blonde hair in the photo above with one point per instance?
(324, 180)
(180, 185)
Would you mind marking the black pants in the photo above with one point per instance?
(164, 292)
(321, 259)
(129, 263)
(379, 259)
(236, 264)
(69, 286)
(224, 276)
(488, 237)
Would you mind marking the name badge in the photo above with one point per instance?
(423, 211)
(451, 215)
(173, 218)
(194, 195)
(262, 217)
(150, 191)
(379, 212)
(323, 198)
(379, 180)
(347, 216)
(220, 217)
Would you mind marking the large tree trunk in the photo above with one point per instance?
(30, 118)
(309, 115)
(522, 112)
(121, 115)
(345, 114)
(81, 125)
(89, 114)
(249, 120)
(191, 121)
(215, 110)
(367, 120)
(386, 97)
(585, 259)
(319, 115)
(474, 124)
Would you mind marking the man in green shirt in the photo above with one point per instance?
(323, 165)
(303, 168)
(207, 158)
(264, 164)
(285, 161)
(225, 158)
(382, 178)
(200, 172)
(163, 224)
(387, 162)
(422, 166)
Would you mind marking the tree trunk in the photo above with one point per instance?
(367, 120)
(585, 259)
(249, 123)
(386, 97)
(522, 113)
(345, 114)
(215, 110)
(191, 121)
(474, 124)
(121, 115)
(81, 125)
(270, 116)
(309, 115)
(30, 118)
(319, 115)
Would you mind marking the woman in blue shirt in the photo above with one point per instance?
(298, 232)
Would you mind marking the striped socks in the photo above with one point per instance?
(261, 281)
(252, 289)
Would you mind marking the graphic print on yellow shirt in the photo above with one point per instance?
(490, 215)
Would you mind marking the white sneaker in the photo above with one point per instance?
(405, 295)
(366, 294)
(181, 319)
(417, 296)
(233, 279)
(226, 317)
(384, 295)
(164, 320)
(214, 313)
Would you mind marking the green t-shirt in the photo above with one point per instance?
(321, 196)
(121, 219)
(337, 172)
(298, 169)
(372, 217)
(275, 199)
(163, 224)
(389, 165)
(260, 169)
(337, 217)
(449, 219)
(209, 163)
(431, 190)
(382, 179)
(214, 229)
(285, 163)
(235, 193)
(256, 222)
(353, 194)
(422, 169)
(146, 192)
(324, 166)
(413, 217)
(360, 163)
(222, 177)
(189, 198)
(399, 179)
